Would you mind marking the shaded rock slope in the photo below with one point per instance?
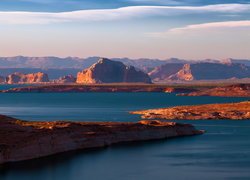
(107, 71)
(237, 90)
(199, 71)
(24, 140)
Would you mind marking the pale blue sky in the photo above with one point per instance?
(190, 29)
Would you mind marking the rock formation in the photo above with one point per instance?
(18, 78)
(165, 71)
(185, 74)
(199, 71)
(23, 140)
(234, 111)
(238, 90)
(66, 79)
(107, 71)
(2, 80)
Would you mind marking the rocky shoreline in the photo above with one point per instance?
(234, 111)
(233, 90)
(237, 90)
(100, 88)
(25, 140)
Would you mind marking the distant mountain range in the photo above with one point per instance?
(51, 62)
(159, 70)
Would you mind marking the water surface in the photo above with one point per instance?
(223, 152)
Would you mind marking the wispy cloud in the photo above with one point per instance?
(162, 2)
(117, 14)
(208, 27)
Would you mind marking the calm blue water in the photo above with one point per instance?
(222, 153)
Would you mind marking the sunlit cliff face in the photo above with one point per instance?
(191, 29)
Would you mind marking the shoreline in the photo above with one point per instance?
(26, 140)
(220, 90)
(233, 111)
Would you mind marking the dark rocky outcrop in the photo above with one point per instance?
(24, 140)
(107, 71)
(19, 78)
(234, 111)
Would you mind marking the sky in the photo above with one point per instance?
(187, 29)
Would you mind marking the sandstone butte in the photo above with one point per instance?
(235, 111)
(108, 71)
(237, 90)
(17, 78)
(25, 140)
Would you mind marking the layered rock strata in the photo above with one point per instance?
(19, 78)
(238, 90)
(107, 71)
(24, 140)
(235, 111)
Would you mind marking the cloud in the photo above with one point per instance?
(205, 27)
(162, 2)
(210, 26)
(21, 17)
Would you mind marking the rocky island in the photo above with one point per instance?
(24, 140)
(234, 111)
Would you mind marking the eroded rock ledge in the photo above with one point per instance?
(237, 90)
(99, 88)
(208, 111)
(24, 140)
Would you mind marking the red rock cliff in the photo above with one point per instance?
(17, 78)
(107, 71)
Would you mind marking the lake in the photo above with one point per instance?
(223, 152)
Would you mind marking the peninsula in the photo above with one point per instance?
(112, 87)
(234, 111)
(25, 140)
(236, 90)
(182, 89)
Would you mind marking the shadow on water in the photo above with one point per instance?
(64, 157)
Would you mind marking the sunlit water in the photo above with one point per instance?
(223, 152)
